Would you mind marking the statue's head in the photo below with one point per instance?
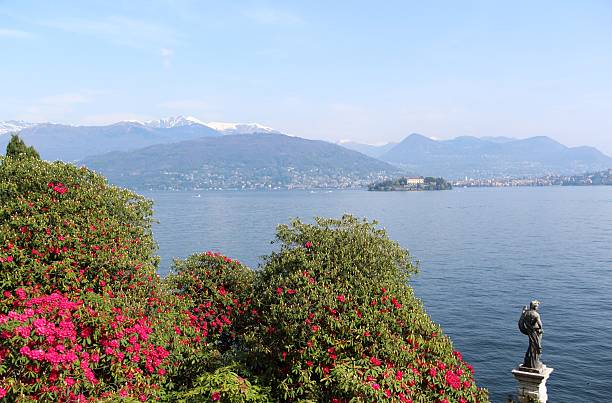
(534, 304)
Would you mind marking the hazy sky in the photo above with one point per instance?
(369, 71)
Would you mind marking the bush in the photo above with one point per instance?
(78, 320)
(337, 322)
(217, 292)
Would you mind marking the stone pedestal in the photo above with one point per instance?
(532, 383)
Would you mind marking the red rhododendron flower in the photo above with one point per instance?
(215, 396)
(452, 379)
(375, 361)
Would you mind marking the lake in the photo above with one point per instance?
(483, 252)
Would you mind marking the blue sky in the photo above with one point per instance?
(368, 71)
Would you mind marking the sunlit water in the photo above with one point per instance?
(484, 253)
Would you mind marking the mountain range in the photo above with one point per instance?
(154, 145)
(493, 157)
(73, 143)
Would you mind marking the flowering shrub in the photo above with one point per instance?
(64, 229)
(79, 315)
(216, 291)
(336, 321)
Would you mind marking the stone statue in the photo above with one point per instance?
(530, 324)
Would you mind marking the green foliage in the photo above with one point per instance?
(16, 148)
(223, 385)
(336, 321)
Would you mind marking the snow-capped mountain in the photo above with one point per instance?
(240, 128)
(221, 127)
(74, 142)
(174, 121)
(12, 126)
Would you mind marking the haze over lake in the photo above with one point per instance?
(484, 253)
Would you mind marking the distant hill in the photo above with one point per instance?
(368, 149)
(241, 161)
(493, 157)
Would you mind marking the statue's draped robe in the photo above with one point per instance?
(533, 329)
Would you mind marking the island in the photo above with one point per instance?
(411, 183)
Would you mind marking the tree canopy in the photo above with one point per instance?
(16, 148)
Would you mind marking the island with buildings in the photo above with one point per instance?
(410, 183)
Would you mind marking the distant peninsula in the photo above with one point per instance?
(600, 178)
(408, 183)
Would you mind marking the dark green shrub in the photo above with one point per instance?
(16, 148)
